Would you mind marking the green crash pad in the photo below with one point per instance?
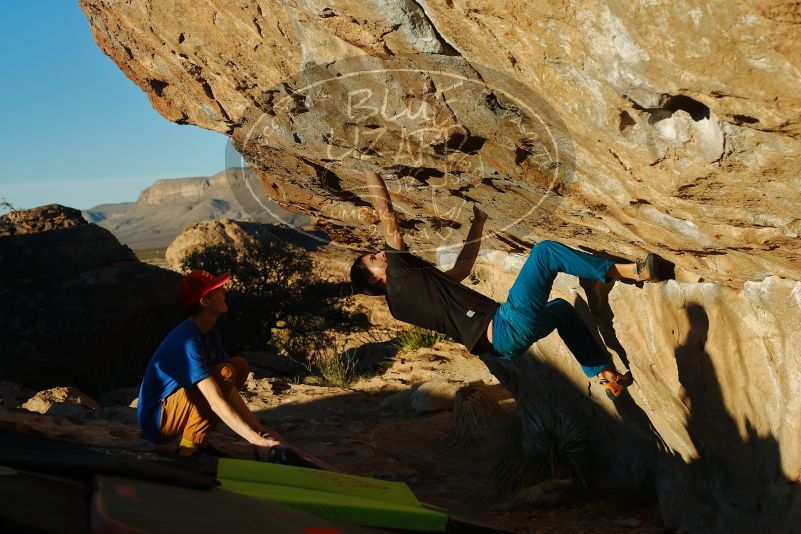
(127, 505)
(360, 500)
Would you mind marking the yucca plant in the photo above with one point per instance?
(417, 338)
(557, 448)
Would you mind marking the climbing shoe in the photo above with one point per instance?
(646, 269)
(615, 387)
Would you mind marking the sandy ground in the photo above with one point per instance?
(370, 429)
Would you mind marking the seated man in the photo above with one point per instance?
(420, 294)
(190, 383)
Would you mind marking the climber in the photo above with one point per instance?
(420, 294)
(191, 384)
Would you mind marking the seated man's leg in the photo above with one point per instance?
(560, 315)
(241, 371)
(188, 414)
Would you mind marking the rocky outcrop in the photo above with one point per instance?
(60, 401)
(166, 208)
(237, 234)
(623, 126)
(80, 309)
(43, 219)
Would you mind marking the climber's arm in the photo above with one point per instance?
(472, 245)
(379, 198)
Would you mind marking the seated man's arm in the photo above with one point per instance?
(379, 198)
(469, 253)
(229, 415)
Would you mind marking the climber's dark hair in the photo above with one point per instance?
(360, 279)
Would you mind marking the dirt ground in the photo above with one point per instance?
(371, 430)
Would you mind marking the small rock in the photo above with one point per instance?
(61, 401)
(434, 396)
(396, 403)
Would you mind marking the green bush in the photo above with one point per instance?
(272, 284)
(417, 338)
(557, 448)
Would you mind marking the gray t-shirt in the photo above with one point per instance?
(420, 294)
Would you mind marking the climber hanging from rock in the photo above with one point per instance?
(420, 294)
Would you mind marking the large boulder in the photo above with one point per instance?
(237, 234)
(711, 421)
(617, 126)
(79, 308)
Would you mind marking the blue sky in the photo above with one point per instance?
(75, 130)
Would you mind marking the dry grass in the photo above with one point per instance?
(476, 413)
(336, 369)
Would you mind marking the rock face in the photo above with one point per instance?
(618, 127)
(624, 127)
(166, 208)
(710, 423)
(80, 309)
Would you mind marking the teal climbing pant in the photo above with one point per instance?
(528, 316)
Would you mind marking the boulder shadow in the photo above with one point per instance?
(736, 482)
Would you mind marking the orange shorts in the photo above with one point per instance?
(187, 413)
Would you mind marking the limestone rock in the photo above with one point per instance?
(433, 396)
(612, 126)
(713, 411)
(60, 401)
(80, 309)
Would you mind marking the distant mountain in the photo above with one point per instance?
(167, 207)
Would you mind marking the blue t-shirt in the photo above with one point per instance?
(182, 360)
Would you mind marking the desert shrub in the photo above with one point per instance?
(337, 369)
(275, 300)
(417, 338)
(557, 448)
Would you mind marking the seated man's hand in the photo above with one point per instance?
(266, 440)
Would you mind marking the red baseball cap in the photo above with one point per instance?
(197, 284)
